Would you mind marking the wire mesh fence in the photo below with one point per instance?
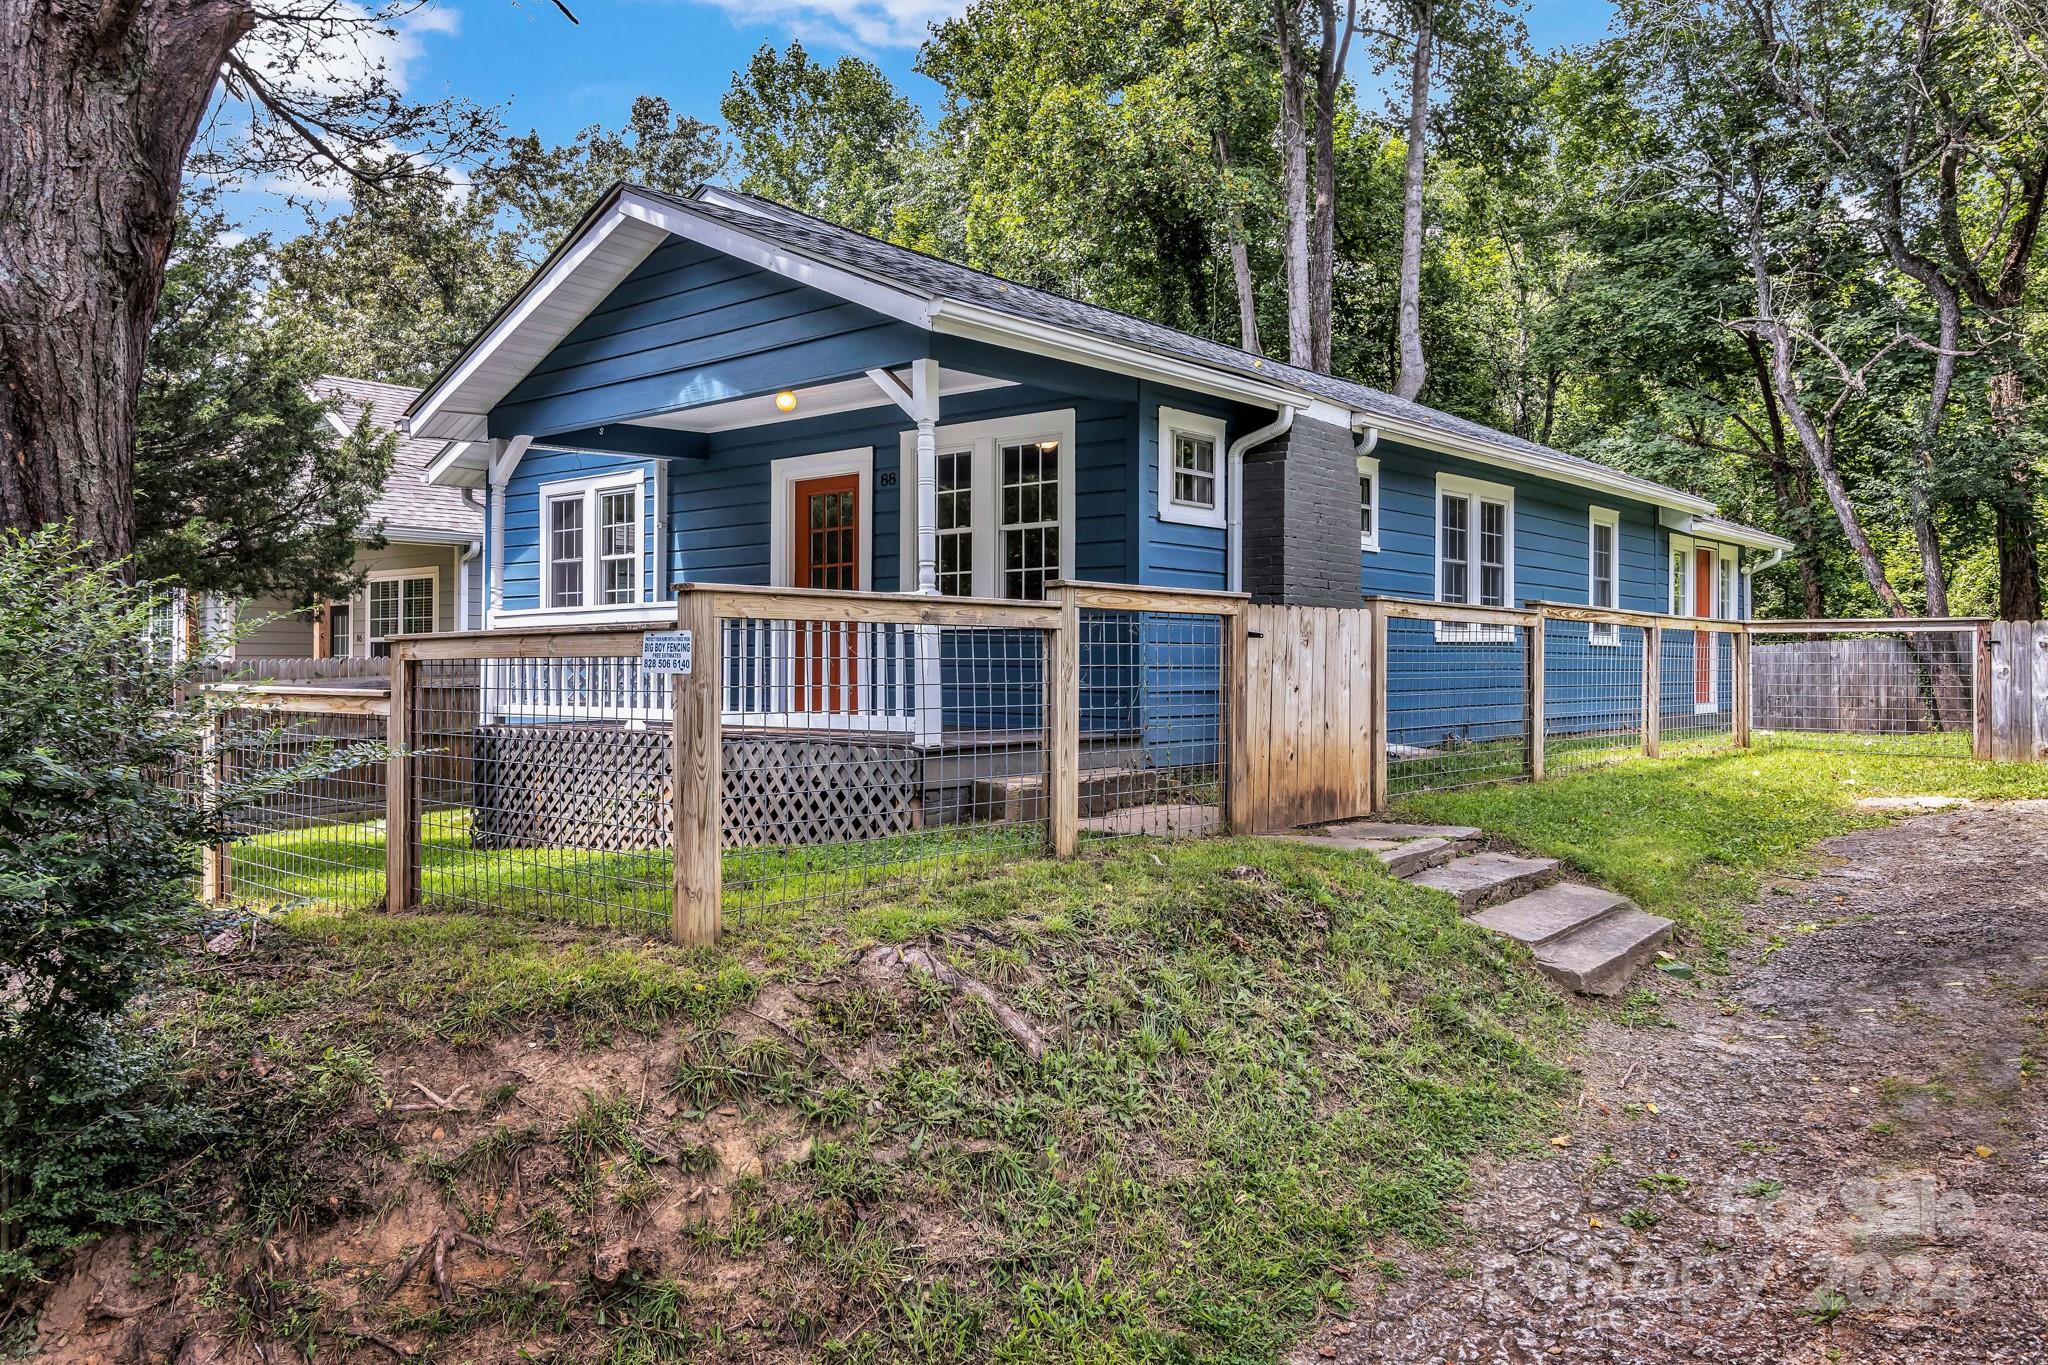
(1593, 683)
(1698, 688)
(1457, 699)
(1897, 690)
(540, 784)
(1152, 722)
(859, 756)
(303, 840)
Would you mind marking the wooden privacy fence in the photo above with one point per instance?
(2018, 691)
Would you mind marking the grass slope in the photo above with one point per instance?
(1264, 1061)
(1692, 837)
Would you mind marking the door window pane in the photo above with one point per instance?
(956, 523)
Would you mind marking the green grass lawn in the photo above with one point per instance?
(1692, 836)
(342, 865)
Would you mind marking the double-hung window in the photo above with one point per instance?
(1368, 503)
(1031, 518)
(592, 538)
(1004, 512)
(1191, 472)
(398, 604)
(1474, 551)
(1603, 570)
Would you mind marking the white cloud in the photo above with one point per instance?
(858, 23)
(324, 47)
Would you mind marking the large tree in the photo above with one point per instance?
(243, 484)
(102, 100)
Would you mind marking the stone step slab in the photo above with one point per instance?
(1485, 879)
(1551, 912)
(1598, 958)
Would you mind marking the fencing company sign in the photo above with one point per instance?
(666, 651)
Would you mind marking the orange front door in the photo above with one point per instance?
(1703, 644)
(826, 551)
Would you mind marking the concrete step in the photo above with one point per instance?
(1412, 856)
(1485, 879)
(1599, 957)
(1020, 799)
(1551, 912)
(1397, 833)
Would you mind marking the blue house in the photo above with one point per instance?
(715, 388)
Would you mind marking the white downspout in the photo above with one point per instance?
(1233, 519)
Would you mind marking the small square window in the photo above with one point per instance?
(1194, 470)
(1192, 473)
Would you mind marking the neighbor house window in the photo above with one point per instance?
(1474, 552)
(956, 523)
(398, 605)
(1191, 473)
(1603, 571)
(1368, 503)
(1030, 499)
(593, 542)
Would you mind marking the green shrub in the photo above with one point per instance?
(97, 860)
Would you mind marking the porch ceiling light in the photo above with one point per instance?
(786, 401)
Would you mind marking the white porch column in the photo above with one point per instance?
(505, 457)
(924, 399)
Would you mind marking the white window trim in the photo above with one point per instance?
(985, 438)
(589, 487)
(1451, 632)
(783, 477)
(1369, 471)
(1609, 634)
(1174, 421)
(432, 578)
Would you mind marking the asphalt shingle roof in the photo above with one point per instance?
(407, 502)
(938, 278)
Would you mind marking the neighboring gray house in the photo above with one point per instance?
(428, 575)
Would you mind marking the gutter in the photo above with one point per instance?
(1233, 479)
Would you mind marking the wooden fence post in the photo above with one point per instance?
(1063, 725)
(1532, 659)
(1653, 691)
(696, 786)
(215, 864)
(1237, 734)
(401, 811)
(1376, 689)
(2037, 712)
(1740, 698)
(1980, 698)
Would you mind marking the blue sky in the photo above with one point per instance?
(551, 76)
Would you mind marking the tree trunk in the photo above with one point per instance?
(1322, 264)
(1293, 134)
(1816, 446)
(1414, 369)
(101, 99)
(1240, 258)
(2019, 555)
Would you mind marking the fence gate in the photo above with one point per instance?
(1310, 712)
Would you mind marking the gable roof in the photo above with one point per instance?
(408, 507)
(945, 296)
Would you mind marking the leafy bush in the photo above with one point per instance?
(99, 828)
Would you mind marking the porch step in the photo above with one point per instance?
(1550, 912)
(1412, 856)
(1599, 958)
(1485, 879)
(1020, 799)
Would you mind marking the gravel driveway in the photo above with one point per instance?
(1838, 1153)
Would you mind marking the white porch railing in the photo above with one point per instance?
(861, 678)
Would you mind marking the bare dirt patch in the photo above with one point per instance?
(1837, 1153)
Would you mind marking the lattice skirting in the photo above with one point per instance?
(607, 788)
